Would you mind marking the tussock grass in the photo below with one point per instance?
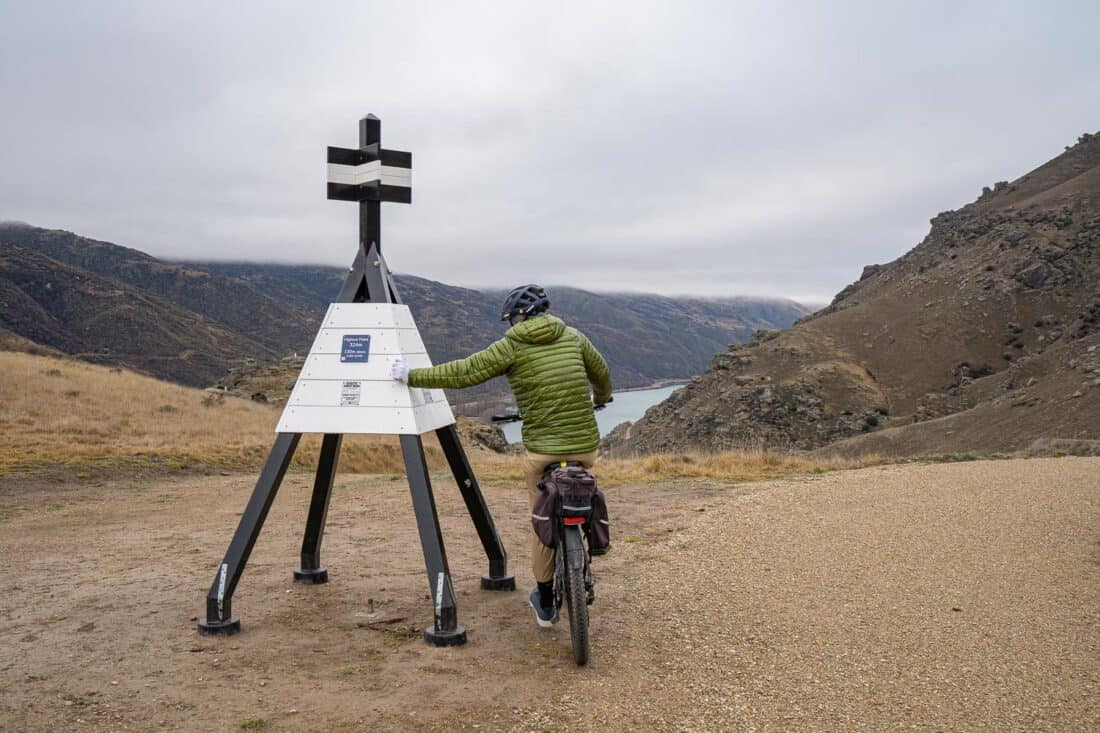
(65, 411)
(738, 465)
(60, 411)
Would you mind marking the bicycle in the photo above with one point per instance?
(574, 586)
(573, 583)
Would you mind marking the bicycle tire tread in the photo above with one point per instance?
(578, 610)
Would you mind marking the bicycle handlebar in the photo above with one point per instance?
(518, 417)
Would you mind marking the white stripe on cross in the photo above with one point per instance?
(354, 175)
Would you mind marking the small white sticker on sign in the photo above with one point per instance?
(349, 394)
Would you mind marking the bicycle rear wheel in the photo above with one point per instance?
(575, 596)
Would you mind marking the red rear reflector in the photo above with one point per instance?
(572, 520)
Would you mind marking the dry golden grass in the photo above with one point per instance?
(61, 411)
(742, 465)
(66, 411)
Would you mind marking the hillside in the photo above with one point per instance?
(58, 411)
(984, 337)
(247, 312)
(646, 338)
(103, 320)
(205, 323)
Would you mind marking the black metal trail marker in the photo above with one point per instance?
(345, 387)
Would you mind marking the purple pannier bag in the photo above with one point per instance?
(569, 490)
(543, 514)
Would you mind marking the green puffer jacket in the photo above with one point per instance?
(549, 366)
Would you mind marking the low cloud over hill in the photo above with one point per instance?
(984, 336)
(201, 323)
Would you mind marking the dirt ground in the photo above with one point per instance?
(103, 580)
(939, 597)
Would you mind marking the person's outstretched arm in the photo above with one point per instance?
(474, 369)
(598, 373)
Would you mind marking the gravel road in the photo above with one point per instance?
(932, 597)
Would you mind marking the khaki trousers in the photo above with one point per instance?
(542, 557)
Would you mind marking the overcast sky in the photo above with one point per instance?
(710, 148)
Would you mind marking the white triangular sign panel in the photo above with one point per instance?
(345, 384)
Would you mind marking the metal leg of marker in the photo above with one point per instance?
(219, 601)
(445, 631)
(498, 577)
(312, 571)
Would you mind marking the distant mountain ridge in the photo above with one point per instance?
(646, 338)
(192, 322)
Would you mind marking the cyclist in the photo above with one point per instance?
(549, 367)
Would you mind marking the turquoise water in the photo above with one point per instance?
(627, 407)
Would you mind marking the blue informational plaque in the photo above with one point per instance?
(355, 348)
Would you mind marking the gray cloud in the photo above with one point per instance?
(713, 148)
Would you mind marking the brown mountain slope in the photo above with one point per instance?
(989, 320)
(646, 338)
(54, 304)
(254, 314)
(273, 310)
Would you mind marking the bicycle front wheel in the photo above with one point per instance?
(575, 557)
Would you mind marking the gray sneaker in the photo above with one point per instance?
(545, 617)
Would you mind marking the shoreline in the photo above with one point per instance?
(660, 384)
(656, 385)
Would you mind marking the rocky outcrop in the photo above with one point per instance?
(1001, 291)
(478, 434)
(263, 381)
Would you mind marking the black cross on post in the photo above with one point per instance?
(369, 175)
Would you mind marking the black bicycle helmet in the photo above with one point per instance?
(525, 301)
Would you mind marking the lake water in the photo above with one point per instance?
(627, 407)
